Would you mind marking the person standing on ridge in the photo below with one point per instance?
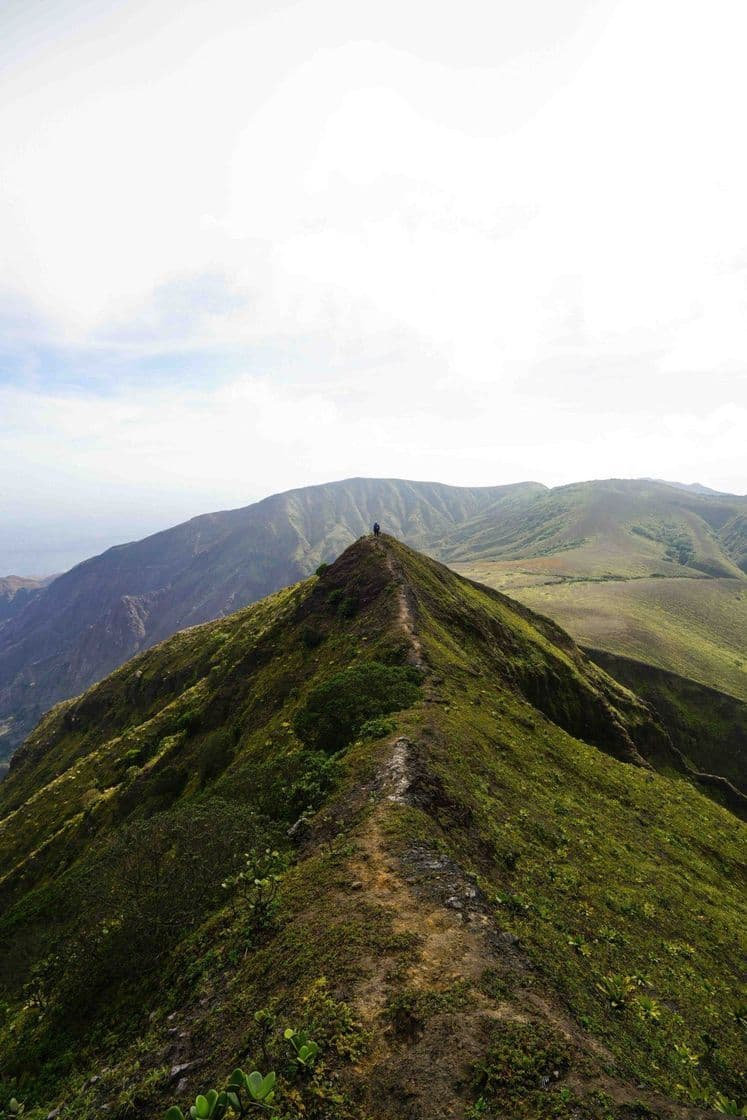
(376, 528)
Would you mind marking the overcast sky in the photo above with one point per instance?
(255, 244)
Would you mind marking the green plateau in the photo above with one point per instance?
(385, 844)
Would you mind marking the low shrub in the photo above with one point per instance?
(336, 710)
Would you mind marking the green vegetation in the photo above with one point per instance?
(111, 607)
(302, 1085)
(373, 891)
(523, 1061)
(337, 710)
(633, 568)
(709, 727)
(692, 627)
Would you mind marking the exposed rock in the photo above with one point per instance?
(185, 1067)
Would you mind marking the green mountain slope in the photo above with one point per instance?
(644, 569)
(109, 608)
(105, 610)
(478, 900)
(695, 628)
(612, 528)
(709, 727)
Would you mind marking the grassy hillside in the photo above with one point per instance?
(115, 605)
(709, 727)
(647, 570)
(461, 879)
(695, 628)
(612, 528)
(105, 610)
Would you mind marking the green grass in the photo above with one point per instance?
(638, 569)
(695, 628)
(617, 527)
(129, 802)
(709, 727)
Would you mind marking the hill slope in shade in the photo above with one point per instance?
(709, 727)
(16, 592)
(493, 905)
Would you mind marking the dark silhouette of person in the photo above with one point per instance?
(376, 528)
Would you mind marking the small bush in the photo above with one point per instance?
(168, 782)
(618, 990)
(376, 728)
(257, 884)
(336, 710)
(321, 569)
(522, 1059)
(311, 637)
(187, 720)
(215, 754)
(348, 606)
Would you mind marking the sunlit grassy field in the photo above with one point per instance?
(696, 627)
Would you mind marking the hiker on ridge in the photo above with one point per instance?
(376, 528)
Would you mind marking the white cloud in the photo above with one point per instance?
(506, 242)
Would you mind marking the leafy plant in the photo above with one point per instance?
(244, 1091)
(648, 1008)
(304, 1050)
(258, 1090)
(685, 1055)
(258, 884)
(617, 989)
(376, 728)
(728, 1107)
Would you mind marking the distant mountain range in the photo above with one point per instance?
(16, 592)
(57, 640)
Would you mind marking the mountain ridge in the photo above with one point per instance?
(464, 889)
(94, 617)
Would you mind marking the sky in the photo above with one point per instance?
(257, 244)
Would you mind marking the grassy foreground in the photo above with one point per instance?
(392, 812)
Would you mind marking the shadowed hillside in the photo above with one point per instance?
(709, 727)
(16, 593)
(397, 814)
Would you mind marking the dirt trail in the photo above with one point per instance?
(453, 942)
(459, 940)
(405, 610)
